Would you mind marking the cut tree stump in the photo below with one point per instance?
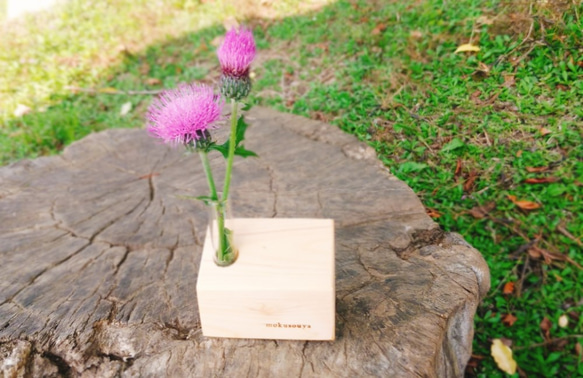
(100, 254)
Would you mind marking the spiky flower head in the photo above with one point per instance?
(185, 114)
(237, 52)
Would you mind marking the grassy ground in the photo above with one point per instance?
(491, 141)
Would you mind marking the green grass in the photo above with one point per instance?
(386, 72)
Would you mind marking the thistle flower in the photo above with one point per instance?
(237, 52)
(185, 114)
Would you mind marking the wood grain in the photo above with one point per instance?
(100, 255)
(280, 287)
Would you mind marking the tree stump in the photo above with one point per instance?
(100, 254)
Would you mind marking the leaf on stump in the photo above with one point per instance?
(480, 212)
(503, 357)
(524, 205)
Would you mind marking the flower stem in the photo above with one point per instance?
(208, 173)
(218, 205)
(232, 142)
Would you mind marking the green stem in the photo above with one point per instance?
(208, 173)
(219, 207)
(232, 141)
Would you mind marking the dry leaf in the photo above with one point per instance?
(378, 29)
(482, 67)
(562, 87)
(509, 81)
(432, 213)
(563, 321)
(458, 168)
(536, 169)
(509, 320)
(484, 20)
(579, 351)
(480, 212)
(125, 109)
(519, 153)
(541, 180)
(545, 327)
(503, 357)
(524, 205)
(416, 34)
(508, 288)
(544, 131)
(467, 47)
(469, 184)
(153, 81)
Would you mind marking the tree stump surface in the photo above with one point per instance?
(100, 254)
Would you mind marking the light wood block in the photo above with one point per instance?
(282, 286)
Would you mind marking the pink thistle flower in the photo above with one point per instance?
(237, 52)
(184, 114)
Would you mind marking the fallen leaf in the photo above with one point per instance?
(475, 96)
(469, 184)
(484, 20)
(541, 180)
(378, 29)
(524, 205)
(21, 110)
(545, 327)
(416, 34)
(579, 351)
(482, 67)
(503, 357)
(563, 321)
(534, 253)
(458, 168)
(536, 169)
(432, 213)
(125, 109)
(519, 153)
(544, 131)
(153, 81)
(509, 320)
(480, 212)
(509, 81)
(508, 287)
(549, 256)
(562, 87)
(467, 47)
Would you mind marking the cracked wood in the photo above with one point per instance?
(100, 256)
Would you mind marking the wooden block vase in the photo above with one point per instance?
(281, 286)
